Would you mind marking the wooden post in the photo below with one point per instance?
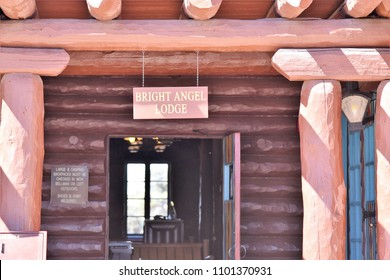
(18, 9)
(360, 8)
(105, 9)
(201, 9)
(291, 8)
(382, 157)
(323, 188)
(383, 9)
(21, 148)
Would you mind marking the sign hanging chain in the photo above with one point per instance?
(143, 68)
(197, 68)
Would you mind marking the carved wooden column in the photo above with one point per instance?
(22, 150)
(323, 188)
(382, 157)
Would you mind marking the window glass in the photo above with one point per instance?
(135, 172)
(159, 190)
(135, 189)
(145, 194)
(135, 207)
(159, 172)
(135, 225)
(158, 207)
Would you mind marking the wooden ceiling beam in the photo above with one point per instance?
(18, 9)
(214, 35)
(169, 63)
(360, 8)
(341, 64)
(104, 9)
(201, 9)
(291, 8)
(272, 11)
(44, 62)
(383, 9)
(339, 13)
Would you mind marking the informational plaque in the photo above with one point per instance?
(69, 184)
(170, 102)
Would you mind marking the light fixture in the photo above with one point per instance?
(133, 149)
(137, 144)
(354, 106)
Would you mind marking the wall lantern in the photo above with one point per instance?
(354, 107)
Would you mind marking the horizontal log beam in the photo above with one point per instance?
(270, 166)
(269, 145)
(291, 8)
(274, 248)
(270, 187)
(74, 144)
(275, 226)
(226, 105)
(104, 9)
(214, 35)
(123, 124)
(335, 64)
(201, 9)
(276, 86)
(360, 8)
(75, 226)
(18, 9)
(82, 247)
(169, 63)
(267, 207)
(44, 62)
(383, 9)
(91, 208)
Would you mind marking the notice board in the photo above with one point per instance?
(69, 184)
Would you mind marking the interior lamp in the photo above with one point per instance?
(354, 107)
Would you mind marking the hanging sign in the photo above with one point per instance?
(170, 103)
(69, 184)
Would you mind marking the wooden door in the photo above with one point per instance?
(231, 197)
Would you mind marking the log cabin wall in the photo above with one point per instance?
(80, 112)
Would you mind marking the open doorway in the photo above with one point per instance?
(187, 172)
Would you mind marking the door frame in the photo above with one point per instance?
(236, 180)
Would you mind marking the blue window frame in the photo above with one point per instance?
(359, 172)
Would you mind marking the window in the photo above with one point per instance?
(359, 172)
(147, 194)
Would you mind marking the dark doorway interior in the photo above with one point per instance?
(195, 186)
